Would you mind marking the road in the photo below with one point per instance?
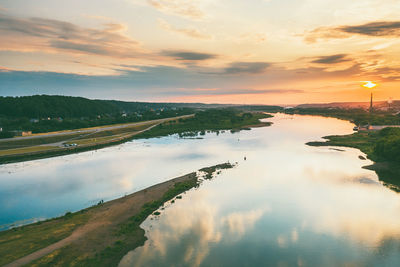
(94, 129)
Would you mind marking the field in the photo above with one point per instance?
(25, 150)
(65, 142)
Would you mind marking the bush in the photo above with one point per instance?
(6, 135)
(388, 145)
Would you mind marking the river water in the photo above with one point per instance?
(287, 204)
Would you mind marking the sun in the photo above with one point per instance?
(369, 84)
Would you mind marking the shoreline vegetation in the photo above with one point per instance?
(382, 147)
(209, 121)
(189, 126)
(97, 236)
(356, 116)
(49, 113)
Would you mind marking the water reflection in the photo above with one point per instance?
(286, 205)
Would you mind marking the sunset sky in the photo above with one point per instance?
(213, 51)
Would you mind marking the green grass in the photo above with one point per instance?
(358, 116)
(18, 242)
(364, 141)
(18, 143)
(150, 207)
(209, 120)
(128, 236)
(118, 131)
(215, 120)
(211, 170)
(88, 142)
(25, 150)
(120, 237)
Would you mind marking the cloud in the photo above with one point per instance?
(190, 83)
(373, 29)
(185, 8)
(233, 91)
(185, 55)
(381, 28)
(246, 67)
(253, 37)
(189, 32)
(238, 223)
(334, 59)
(324, 33)
(141, 83)
(39, 34)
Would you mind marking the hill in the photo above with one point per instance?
(44, 113)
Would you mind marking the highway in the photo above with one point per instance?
(94, 129)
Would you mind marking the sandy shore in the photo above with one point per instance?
(111, 229)
(97, 233)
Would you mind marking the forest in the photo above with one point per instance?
(357, 116)
(208, 120)
(43, 113)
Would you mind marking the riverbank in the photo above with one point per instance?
(70, 142)
(356, 115)
(97, 236)
(387, 170)
(385, 165)
(209, 121)
(188, 125)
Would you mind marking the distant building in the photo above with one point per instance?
(380, 127)
(22, 133)
(124, 114)
(34, 120)
(374, 127)
(371, 105)
(1, 129)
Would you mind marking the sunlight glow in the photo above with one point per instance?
(369, 84)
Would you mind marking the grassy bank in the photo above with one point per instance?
(21, 241)
(61, 151)
(209, 120)
(382, 147)
(357, 116)
(31, 149)
(97, 236)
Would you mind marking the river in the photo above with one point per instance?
(287, 204)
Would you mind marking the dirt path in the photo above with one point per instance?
(78, 233)
(103, 218)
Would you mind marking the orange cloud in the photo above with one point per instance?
(185, 8)
(388, 29)
(188, 32)
(38, 34)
